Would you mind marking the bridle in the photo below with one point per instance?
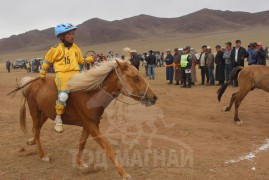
(142, 98)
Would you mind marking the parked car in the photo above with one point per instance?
(20, 63)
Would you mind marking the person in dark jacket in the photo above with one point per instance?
(177, 66)
(151, 62)
(8, 65)
(135, 59)
(261, 54)
(186, 63)
(238, 54)
(169, 61)
(220, 66)
(202, 66)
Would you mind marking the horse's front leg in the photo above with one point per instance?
(94, 131)
(82, 142)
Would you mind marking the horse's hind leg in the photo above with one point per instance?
(233, 98)
(94, 131)
(38, 121)
(82, 142)
(242, 94)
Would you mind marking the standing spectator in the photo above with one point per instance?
(210, 65)
(28, 67)
(220, 66)
(135, 61)
(8, 64)
(169, 61)
(252, 54)
(266, 51)
(261, 54)
(145, 63)
(228, 61)
(158, 58)
(193, 69)
(238, 54)
(151, 62)
(186, 63)
(162, 59)
(202, 65)
(178, 75)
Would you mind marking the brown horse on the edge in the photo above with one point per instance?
(249, 78)
(91, 93)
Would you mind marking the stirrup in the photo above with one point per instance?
(59, 127)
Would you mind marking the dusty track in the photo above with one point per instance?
(194, 115)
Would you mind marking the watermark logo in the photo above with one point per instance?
(138, 137)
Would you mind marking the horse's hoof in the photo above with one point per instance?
(225, 109)
(239, 123)
(82, 166)
(127, 177)
(31, 142)
(45, 159)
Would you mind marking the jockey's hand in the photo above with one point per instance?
(43, 74)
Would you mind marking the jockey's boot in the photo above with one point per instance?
(58, 124)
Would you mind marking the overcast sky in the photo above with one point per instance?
(19, 16)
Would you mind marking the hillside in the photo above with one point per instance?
(98, 31)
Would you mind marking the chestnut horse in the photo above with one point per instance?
(91, 93)
(249, 78)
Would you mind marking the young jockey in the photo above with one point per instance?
(66, 58)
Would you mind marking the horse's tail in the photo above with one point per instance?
(24, 83)
(233, 76)
(23, 115)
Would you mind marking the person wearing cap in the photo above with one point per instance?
(135, 59)
(169, 61)
(178, 76)
(238, 54)
(151, 62)
(228, 61)
(220, 65)
(261, 54)
(193, 69)
(66, 58)
(210, 65)
(185, 64)
(202, 66)
(252, 55)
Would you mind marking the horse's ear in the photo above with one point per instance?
(122, 65)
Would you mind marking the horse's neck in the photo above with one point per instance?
(107, 92)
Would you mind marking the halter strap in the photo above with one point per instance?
(129, 92)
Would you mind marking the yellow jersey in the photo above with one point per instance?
(65, 59)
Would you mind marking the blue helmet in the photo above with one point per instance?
(63, 28)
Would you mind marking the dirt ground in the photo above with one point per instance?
(188, 135)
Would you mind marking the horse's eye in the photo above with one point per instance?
(136, 79)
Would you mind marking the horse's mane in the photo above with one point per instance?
(93, 78)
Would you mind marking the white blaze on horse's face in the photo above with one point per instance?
(134, 85)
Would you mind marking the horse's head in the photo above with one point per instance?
(132, 84)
